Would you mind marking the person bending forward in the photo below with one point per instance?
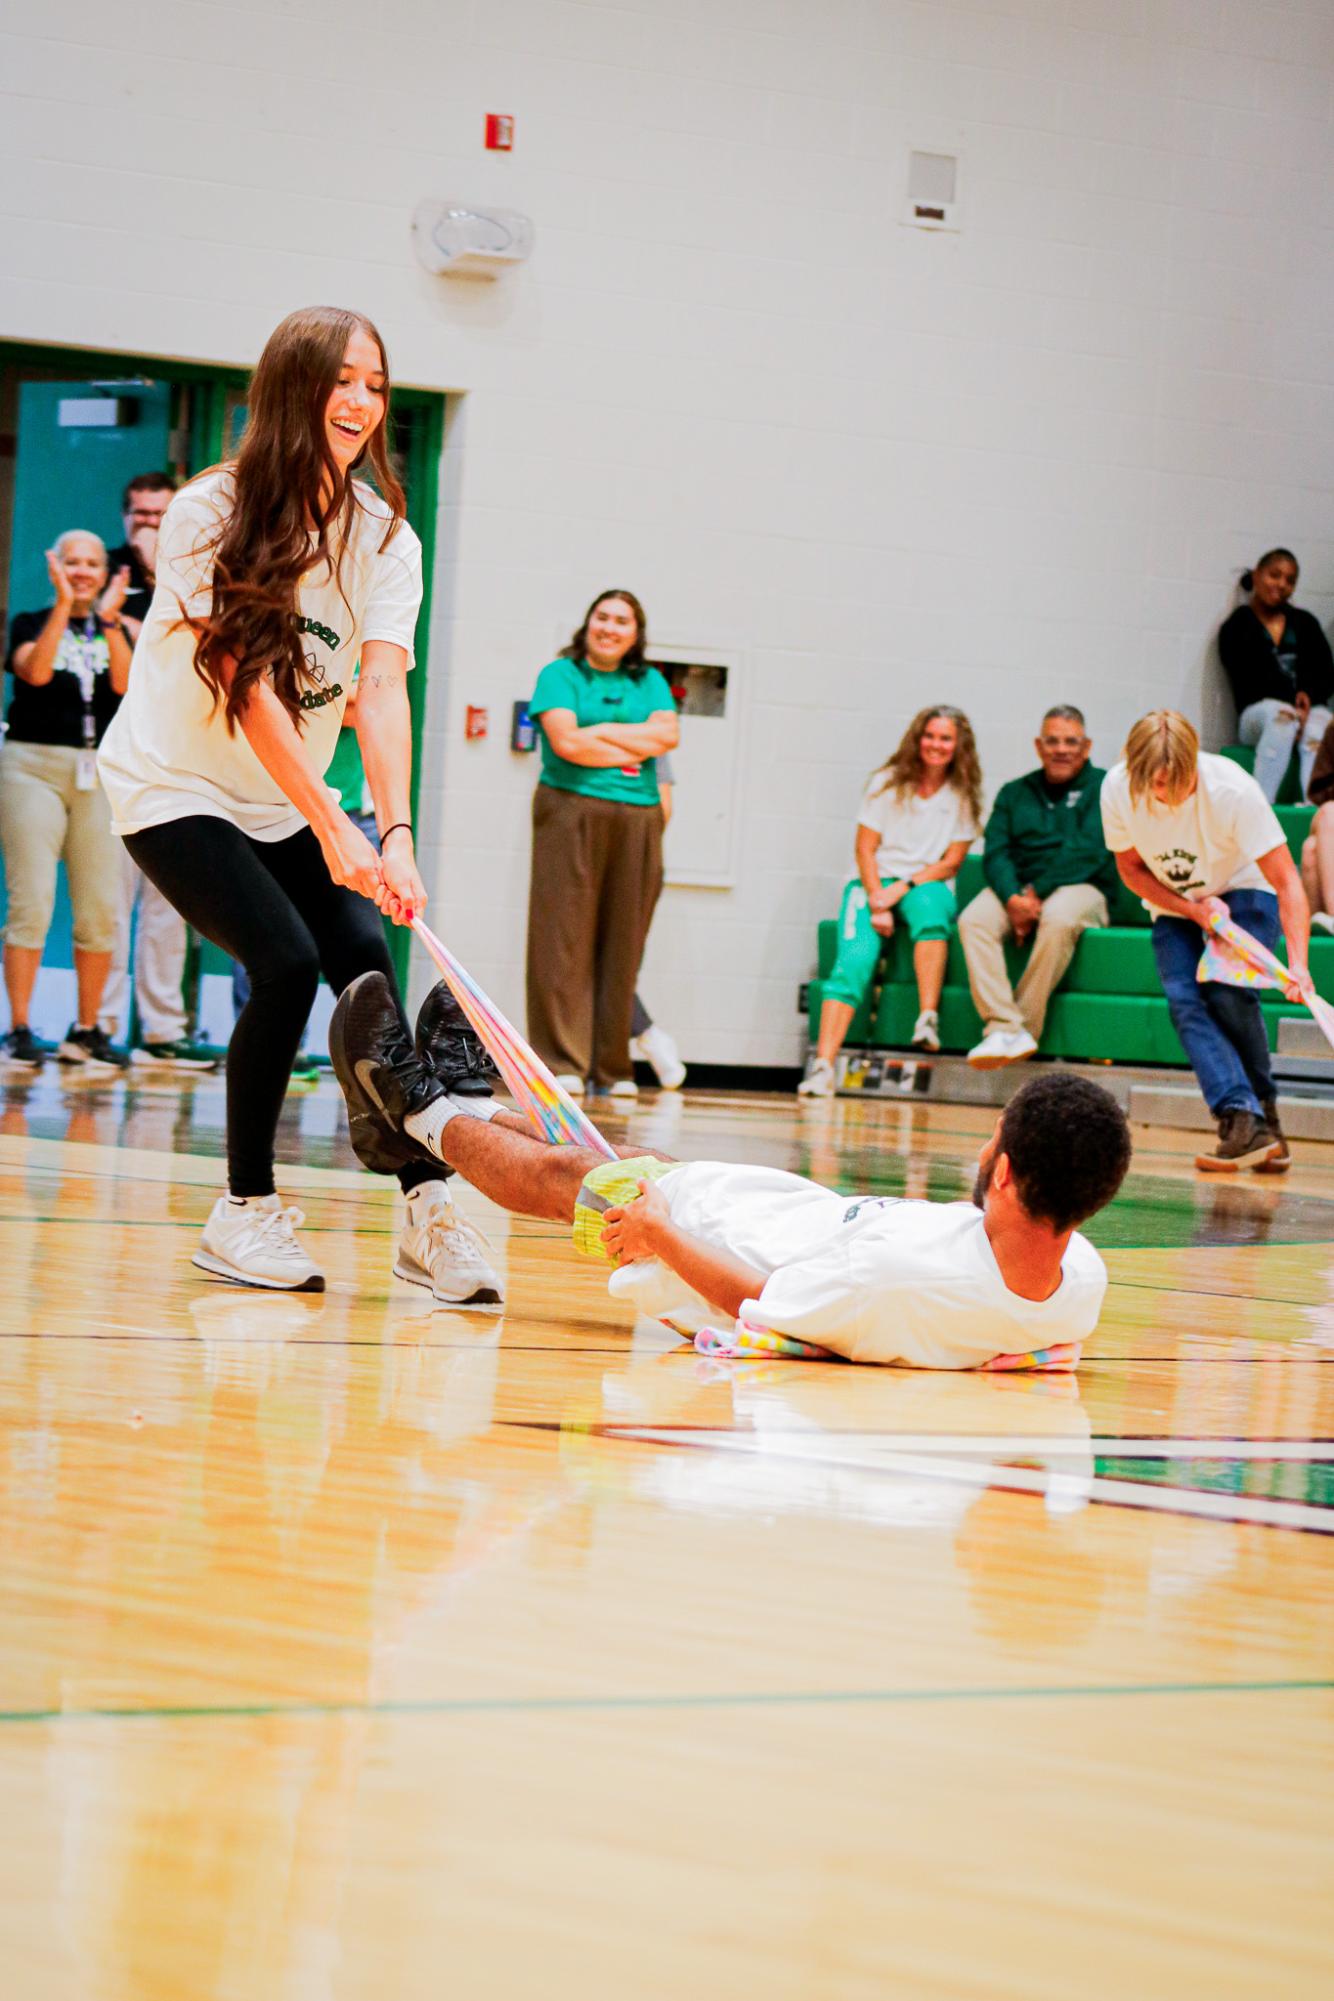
(949, 1285)
(1193, 834)
(274, 573)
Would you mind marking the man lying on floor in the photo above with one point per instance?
(764, 1260)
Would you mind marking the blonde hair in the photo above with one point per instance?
(903, 771)
(1162, 741)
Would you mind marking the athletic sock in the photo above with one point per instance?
(426, 1127)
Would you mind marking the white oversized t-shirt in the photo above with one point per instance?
(1203, 848)
(168, 753)
(873, 1278)
(915, 832)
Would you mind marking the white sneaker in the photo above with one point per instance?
(1001, 1046)
(571, 1084)
(656, 1048)
(926, 1033)
(255, 1243)
(624, 1087)
(819, 1079)
(1320, 921)
(441, 1249)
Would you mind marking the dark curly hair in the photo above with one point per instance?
(1068, 1143)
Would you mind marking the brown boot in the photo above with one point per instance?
(1243, 1141)
(1280, 1162)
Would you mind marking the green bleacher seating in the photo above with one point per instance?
(1109, 1007)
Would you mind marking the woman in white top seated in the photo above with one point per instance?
(921, 814)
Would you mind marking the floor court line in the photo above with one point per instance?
(1297, 1516)
(1134, 1445)
(537, 1705)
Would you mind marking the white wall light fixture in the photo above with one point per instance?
(456, 240)
(933, 191)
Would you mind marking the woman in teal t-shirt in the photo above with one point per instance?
(605, 716)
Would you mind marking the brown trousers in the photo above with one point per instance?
(597, 872)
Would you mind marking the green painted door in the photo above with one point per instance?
(78, 443)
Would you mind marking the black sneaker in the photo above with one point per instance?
(1280, 1162)
(1243, 1141)
(448, 1043)
(22, 1046)
(382, 1076)
(181, 1055)
(92, 1048)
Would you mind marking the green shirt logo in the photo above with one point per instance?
(331, 639)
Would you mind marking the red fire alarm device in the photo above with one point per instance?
(475, 723)
(499, 132)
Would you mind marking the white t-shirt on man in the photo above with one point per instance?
(1203, 848)
(871, 1277)
(914, 832)
(168, 753)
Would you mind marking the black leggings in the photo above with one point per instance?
(274, 906)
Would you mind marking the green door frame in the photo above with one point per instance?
(424, 444)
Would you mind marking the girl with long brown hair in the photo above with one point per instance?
(920, 815)
(276, 573)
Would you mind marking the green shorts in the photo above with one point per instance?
(610, 1186)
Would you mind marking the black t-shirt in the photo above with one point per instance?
(140, 594)
(54, 713)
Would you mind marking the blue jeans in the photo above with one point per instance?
(1221, 1028)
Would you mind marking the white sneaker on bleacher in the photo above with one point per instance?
(1000, 1047)
(819, 1079)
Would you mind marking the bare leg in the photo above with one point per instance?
(90, 971)
(1324, 857)
(22, 965)
(515, 1122)
(835, 1020)
(1311, 873)
(929, 958)
(517, 1170)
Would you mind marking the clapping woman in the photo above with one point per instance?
(71, 665)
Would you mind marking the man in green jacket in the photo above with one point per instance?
(1049, 876)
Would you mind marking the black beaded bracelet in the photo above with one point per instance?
(404, 826)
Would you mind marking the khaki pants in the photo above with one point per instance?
(983, 928)
(44, 817)
(597, 871)
(159, 962)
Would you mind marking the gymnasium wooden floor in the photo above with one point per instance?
(356, 1651)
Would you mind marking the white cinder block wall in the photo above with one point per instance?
(1013, 465)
